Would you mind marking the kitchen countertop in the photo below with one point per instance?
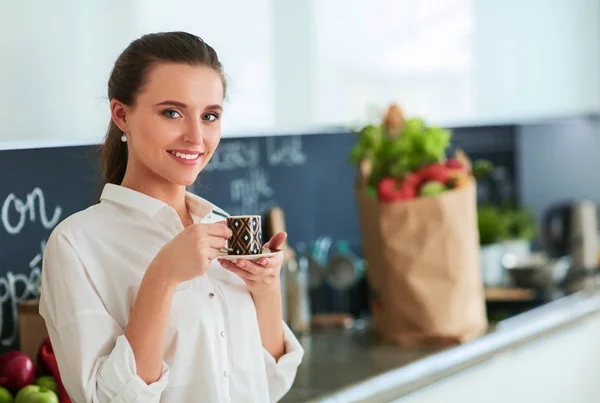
(352, 365)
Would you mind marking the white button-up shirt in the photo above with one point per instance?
(93, 265)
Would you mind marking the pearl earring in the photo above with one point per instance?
(124, 138)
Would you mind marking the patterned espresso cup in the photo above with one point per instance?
(247, 235)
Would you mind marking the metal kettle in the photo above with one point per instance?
(572, 229)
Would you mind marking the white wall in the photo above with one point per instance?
(537, 59)
(55, 63)
(310, 65)
(371, 53)
(57, 57)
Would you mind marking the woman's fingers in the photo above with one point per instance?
(248, 270)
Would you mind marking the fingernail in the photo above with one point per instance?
(241, 263)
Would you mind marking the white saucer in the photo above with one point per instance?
(266, 252)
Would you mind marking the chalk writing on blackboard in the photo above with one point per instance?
(247, 163)
(251, 188)
(250, 193)
(14, 288)
(234, 155)
(285, 151)
(13, 205)
(21, 284)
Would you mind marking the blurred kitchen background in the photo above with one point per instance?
(518, 83)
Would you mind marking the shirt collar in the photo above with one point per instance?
(139, 201)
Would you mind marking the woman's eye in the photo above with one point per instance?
(171, 114)
(211, 117)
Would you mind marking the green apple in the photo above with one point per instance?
(36, 394)
(48, 382)
(5, 396)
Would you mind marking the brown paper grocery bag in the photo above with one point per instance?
(423, 267)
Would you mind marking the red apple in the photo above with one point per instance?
(16, 370)
(434, 172)
(392, 190)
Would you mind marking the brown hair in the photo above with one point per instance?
(129, 76)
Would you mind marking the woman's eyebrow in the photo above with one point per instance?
(215, 106)
(174, 103)
(184, 106)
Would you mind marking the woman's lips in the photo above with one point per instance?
(185, 157)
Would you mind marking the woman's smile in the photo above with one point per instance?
(186, 157)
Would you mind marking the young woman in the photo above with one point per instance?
(137, 304)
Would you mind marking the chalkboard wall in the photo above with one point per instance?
(307, 175)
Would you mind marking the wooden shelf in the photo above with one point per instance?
(499, 294)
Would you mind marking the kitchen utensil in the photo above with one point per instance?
(298, 306)
(272, 225)
(572, 229)
(536, 270)
(578, 280)
(294, 278)
(320, 249)
(343, 268)
(315, 269)
(341, 272)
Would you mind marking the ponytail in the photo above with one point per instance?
(114, 155)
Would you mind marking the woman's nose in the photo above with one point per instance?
(193, 133)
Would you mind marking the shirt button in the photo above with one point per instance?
(226, 374)
(211, 295)
(222, 333)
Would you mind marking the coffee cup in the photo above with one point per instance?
(247, 235)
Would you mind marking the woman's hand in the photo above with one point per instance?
(190, 253)
(260, 276)
(262, 279)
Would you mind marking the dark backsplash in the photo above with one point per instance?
(308, 176)
(558, 161)
(497, 145)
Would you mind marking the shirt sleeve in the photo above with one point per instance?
(95, 360)
(281, 373)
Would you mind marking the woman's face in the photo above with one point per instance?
(175, 125)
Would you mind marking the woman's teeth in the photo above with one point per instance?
(185, 156)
